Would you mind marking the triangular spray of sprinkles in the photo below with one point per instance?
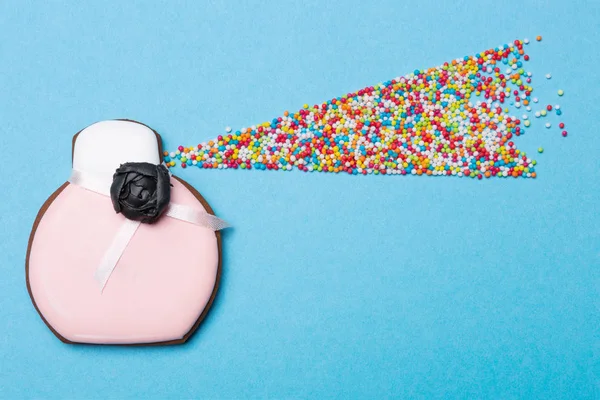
(450, 120)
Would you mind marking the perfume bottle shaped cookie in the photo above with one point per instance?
(123, 252)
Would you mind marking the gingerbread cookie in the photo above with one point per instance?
(123, 253)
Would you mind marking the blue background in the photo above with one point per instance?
(334, 286)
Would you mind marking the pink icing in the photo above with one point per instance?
(159, 288)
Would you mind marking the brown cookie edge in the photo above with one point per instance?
(196, 194)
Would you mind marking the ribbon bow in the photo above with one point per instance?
(101, 185)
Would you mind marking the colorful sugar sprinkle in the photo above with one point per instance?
(451, 120)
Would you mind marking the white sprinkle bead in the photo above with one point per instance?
(535, 99)
(548, 76)
(526, 41)
(228, 129)
(524, 116)
(537, 114)
(528, 108)
(557, 107)
(548, 124)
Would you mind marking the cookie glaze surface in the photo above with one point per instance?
(152, 296)
(102, 147)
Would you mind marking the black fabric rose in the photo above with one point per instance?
(141, 191)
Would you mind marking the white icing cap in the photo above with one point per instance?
(102, 147)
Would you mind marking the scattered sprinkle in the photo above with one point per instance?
(540, 149)
(548, 76)
(548, 124)
(450, 120)
(538, 38)
(561, 92)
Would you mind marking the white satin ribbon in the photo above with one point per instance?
(101, 185)
(115, 251)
